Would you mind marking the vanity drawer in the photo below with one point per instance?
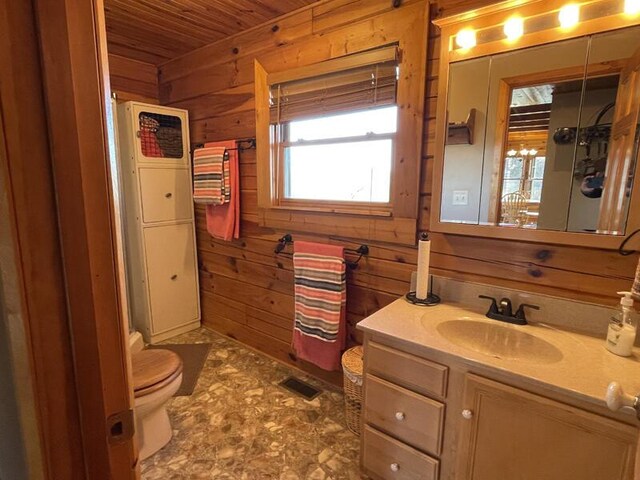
(410, 417)
(412, 372)
(166, 194)
(388, 459)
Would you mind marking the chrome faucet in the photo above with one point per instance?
(503, 310)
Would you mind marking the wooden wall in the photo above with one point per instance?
(133, 79)
(246, 290)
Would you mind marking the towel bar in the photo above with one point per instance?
(287, 239)
(241, 148)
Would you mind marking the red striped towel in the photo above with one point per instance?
(211, 176)
(319, 334)
(223, 221)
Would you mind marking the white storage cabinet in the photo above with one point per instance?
(159, 220)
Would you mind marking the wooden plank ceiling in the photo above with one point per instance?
(155, 31)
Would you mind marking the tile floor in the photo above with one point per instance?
(239, 424)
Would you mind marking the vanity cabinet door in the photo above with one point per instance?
(512, 434)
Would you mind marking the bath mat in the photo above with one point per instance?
(193, 356)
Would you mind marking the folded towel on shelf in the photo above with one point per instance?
(170, 141)
(211, 176)
(319, 333)
(148, 141)
(223, 220)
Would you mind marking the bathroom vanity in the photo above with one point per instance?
(450, 394)
(521, 117)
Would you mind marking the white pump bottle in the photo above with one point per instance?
(622, 327)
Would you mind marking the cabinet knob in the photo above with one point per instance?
(168, 195)
(400, 416)
(394, 467)
(467, 414)
(173, 277)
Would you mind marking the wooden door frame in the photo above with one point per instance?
(55, 105)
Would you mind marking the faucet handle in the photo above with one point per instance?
(520, 312)
(494, 303)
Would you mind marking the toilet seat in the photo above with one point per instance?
(154, 369)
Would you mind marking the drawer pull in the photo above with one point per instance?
(467, 414)
(173, 277)
(400, 416)
(394, 467)
(168, 195)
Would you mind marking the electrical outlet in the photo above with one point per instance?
(460, 197)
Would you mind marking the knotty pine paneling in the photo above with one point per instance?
(247, 289)
(154, 32)
(133, 80)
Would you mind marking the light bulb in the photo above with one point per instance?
(569, 15)
(533, 151)
(524, 152)
(631, 7)
(514, 28)
(466, 38)
(512, 153)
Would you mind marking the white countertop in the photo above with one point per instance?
(584, 370)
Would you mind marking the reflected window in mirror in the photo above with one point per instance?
(525, 155)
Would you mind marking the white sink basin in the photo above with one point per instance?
(499, 341)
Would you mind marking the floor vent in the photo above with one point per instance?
(295, 385)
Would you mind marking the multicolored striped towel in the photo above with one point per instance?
(320, 292)
(211, 176)
(320, 330)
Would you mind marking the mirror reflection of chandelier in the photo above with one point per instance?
(524, 152)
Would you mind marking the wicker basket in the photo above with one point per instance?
(352, 367)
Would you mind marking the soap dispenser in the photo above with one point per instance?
(622, 327)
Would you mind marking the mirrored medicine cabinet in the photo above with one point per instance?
(537, 138)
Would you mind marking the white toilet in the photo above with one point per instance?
(157, 375)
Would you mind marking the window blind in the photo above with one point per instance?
(357, 88)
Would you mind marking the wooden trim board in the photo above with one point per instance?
(78, 108)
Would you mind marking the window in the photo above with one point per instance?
(524, 174)
(333, 135)
(339, 142)
(343, 158)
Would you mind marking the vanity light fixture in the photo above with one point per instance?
(466, 38)
(569, 15)
(533, 151)
(632, 7)
(551, 21)
(514, 28)
(511, 153)
(524, 152)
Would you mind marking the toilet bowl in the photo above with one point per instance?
(157, 375)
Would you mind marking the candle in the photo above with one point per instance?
(424, 251)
